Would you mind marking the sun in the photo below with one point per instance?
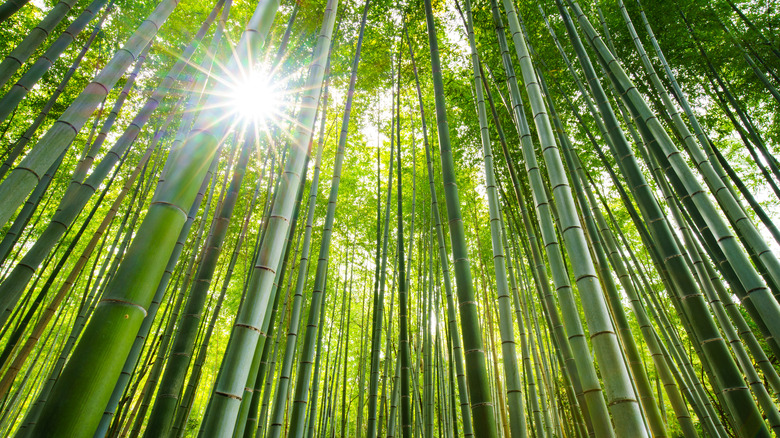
(254, 98)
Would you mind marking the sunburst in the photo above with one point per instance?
(255, 98)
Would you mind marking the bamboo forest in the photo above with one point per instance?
(375, 218)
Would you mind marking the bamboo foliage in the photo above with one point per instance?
(614, 261)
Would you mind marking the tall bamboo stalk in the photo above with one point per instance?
(304, 370)
(508, 345)
(476, 370)
(457, 350)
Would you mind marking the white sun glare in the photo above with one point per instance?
(255, 99)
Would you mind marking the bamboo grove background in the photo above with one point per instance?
(462, 218)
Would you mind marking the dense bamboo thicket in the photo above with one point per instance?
(480, 218)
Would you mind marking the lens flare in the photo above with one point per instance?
(255, 99)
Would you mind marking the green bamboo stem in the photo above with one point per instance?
(388, 325)
(172, 380)
(404, 352)
(257, 373)
(253, 415)
(10, 7)
(37, 36)
(183, 410)
(22, 179)
(395, 394)
(457, 349)
(36, 71)
(508, 345)
(135, 351)
(344, 431)
(476, 372)
(372, 427)
(282, 388)
(312, 411)
(531, 398)
(307, 352)
(427, 348)
(13, 234)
